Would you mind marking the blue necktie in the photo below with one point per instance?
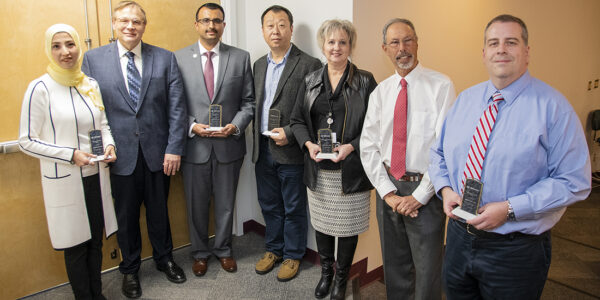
(134, 79)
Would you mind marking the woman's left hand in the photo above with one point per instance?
(343, 151)
(110, 154)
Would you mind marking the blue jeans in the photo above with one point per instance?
(282, 198)
(495, 268)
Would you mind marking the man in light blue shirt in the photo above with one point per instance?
(278, 76)
(535, 164)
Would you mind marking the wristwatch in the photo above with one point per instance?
(510, 215)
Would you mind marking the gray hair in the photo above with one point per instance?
(398, 20)
(330, 26)
(508, 19)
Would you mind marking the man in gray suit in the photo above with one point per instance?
(145, 104)
(278, 76)
(215, 76)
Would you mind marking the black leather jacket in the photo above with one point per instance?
(356, 90)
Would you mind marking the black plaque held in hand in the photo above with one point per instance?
(274, 119)
(470, 201)
(215, 114)
(326, 140)
(471, 196)
(96, 142)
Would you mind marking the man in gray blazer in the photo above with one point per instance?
(215, 75)
(278, 76)
(145, 104)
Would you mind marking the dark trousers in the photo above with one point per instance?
(412, 247)
(282, 198)
(200, 181)
(515, 267)
(84, 261)
(151, 189)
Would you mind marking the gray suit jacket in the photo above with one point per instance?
(158, 123)
(298, 64)
(233, 91)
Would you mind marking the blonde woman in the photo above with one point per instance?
(61, 110)
(335, 100)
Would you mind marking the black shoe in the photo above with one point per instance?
(131, 286)
(172, 270)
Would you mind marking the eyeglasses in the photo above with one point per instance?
(406, 42)
(206, 21)
(125, 22)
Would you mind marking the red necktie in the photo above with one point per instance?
(398, 164)
(209, 75)
(480, 139)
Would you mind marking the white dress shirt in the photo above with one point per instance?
(430, 95)
(137, 60)
(215, 61)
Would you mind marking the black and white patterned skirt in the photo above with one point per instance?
(335, 213)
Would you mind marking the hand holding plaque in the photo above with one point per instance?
(470, 202)
(326, 141)
(215, 114)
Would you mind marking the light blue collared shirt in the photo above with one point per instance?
(537, 156)
(274, 71)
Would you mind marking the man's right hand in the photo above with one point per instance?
(200, 130)
(451, 200)
(393, 201)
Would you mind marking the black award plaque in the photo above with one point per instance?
(215, 116)
(96, 142)
(326, 141)
(471, 197)
(274, 119)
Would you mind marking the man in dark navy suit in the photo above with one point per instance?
(145, 104)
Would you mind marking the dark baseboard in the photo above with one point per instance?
(253, 226)
(358, 269)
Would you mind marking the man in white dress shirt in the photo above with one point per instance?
(405, 115)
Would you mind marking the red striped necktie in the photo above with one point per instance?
(398, 161)
(480, 139)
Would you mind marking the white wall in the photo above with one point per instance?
(243, 30)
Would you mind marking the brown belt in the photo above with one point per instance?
(406, 177)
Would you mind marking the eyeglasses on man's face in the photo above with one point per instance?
(125, 22)
(207, 21)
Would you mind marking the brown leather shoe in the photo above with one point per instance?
(228, 264)
(200, 266)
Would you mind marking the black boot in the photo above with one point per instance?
(345, 254)
(324, 284)
(326, 247)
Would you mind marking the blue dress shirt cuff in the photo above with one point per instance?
(521, 207)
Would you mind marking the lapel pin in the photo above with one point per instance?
(195, 55)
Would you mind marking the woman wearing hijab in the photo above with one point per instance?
(62, 112)
(335, 103)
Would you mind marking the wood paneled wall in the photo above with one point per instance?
(29, 264)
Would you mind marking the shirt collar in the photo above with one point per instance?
(411, 76)
(137, 50)
(512, 91)
(215, 49)
(270, 57)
